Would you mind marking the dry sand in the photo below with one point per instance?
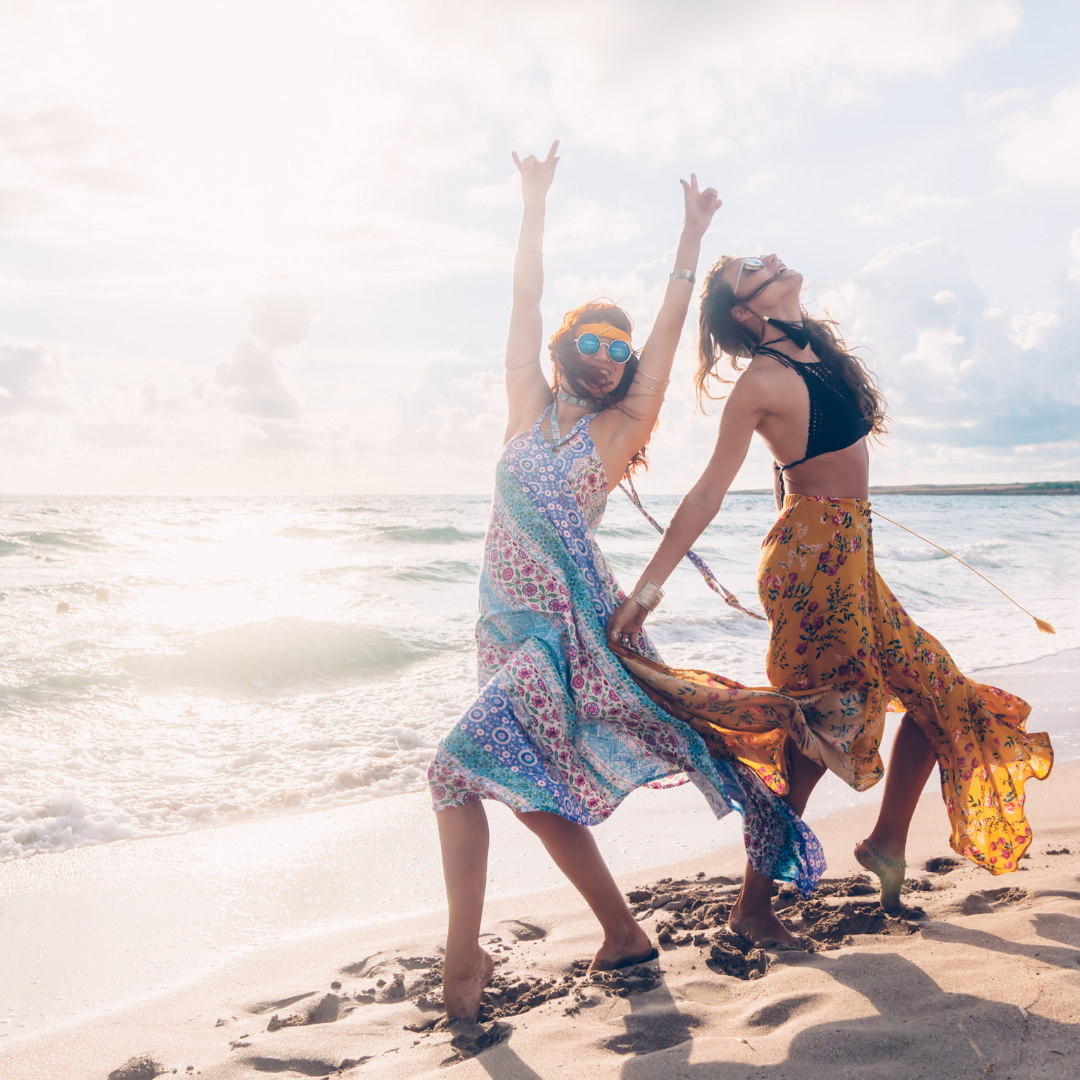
(986, 983)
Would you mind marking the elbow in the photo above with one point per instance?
(706, 500)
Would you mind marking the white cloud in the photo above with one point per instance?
(980, 103)
(1030, 329)
(581, 224)
(902, 198)
(250, 376)
(60, 166)
(967, 374)
(1045, 150)
(259, 127)
(31, 380)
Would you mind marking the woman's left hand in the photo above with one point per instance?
(626, 622)
(700, 205)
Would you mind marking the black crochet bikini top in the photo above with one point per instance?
(836, 421)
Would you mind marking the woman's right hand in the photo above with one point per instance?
(536, 175)
(626, 622)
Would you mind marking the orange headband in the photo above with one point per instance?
(602, 330)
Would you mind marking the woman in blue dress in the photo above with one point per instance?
(560, 732)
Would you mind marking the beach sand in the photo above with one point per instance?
(986, 982)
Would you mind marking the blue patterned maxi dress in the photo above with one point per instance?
(559, 724)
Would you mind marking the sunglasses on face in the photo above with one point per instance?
(751, 265)
(618, 352)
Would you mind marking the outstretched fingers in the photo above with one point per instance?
(551, 153)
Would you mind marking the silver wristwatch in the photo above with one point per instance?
(683, 275)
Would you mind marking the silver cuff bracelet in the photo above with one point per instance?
(649, 596)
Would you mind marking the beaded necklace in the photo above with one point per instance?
(580, 402)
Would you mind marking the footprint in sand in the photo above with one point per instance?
(942, 864)
(304, 1066)
(268, 1006)
(524, 931)
(142, 1067)
(324, 1011)
(988, 900)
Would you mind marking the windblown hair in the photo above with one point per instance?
(720, 334)
(570, 369)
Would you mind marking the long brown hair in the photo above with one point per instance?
(720, 334)
(569, 369)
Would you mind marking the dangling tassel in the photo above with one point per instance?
(699, 563)
(1042, 624)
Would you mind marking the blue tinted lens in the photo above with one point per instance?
(753, 264)
(618, 351)
(588, 344)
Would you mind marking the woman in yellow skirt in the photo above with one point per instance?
(840, 640)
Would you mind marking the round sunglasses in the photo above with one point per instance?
(618, 352)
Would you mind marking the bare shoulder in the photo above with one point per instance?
(762, 377)
(765, 380)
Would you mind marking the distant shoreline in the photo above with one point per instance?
(1056, 487)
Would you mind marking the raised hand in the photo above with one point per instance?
(700, 205)
(536, 175)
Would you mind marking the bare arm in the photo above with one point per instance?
(526, 390)
(630, 430)
(743, 412)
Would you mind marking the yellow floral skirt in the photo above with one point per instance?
(842, 652)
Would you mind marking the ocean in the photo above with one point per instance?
(224, 659)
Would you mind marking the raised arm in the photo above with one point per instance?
(743, 412)
(526, 390)
(633, 426)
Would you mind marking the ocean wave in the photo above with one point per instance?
(705, 628)
(626, 532)
(438, 570)
(302, 532)
(433, 534)
(8, 548)
(76, 540)
(282, 654)
(976, 554)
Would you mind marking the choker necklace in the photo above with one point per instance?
(581, 403)
(796, 333)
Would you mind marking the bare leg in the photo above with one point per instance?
(752, 914)
(910, 764)
(463, 836)
(574, 850)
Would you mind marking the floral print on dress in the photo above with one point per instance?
(837, 627)
(559, 724)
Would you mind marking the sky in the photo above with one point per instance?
(266, 246)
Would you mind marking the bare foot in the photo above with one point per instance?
(462, 991)
(891, 877)
(762, 928)
(633, 947)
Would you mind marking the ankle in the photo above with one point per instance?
(890, 843)
(464, 960)
(622, 932)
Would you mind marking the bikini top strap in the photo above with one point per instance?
(776, 354)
